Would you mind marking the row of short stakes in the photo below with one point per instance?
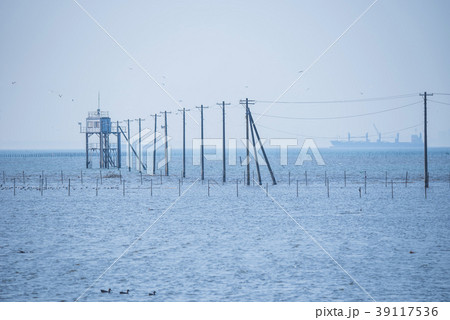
(43, 183)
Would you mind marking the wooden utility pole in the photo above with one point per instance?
(154, 142)
(202, 155)
(140, 147)
(129, 146)
(224, 176)
(425, 139)
(247, 143)
(166, 149)
(184, 141)
(119, 147)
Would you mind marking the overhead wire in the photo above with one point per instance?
(321, 137)
(440, 102)
(340, 117)
(409, 95)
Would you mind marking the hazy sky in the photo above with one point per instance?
(203, 52)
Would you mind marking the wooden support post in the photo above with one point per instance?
(365, 182)
(14, 186)
(274, 181)
(385, 180)
(406, 179)
(256, 158)
(328, 187)
(267, 189)
(42, 186)
(23, 177)
(359, 189)
(289, 178)
(392, 189)
(297, 188)
(62, 177)
(345, 178)
(45, 183)
(68, 189)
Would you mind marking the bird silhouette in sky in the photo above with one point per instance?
(13, 82)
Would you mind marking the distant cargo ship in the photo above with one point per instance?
(416, 142)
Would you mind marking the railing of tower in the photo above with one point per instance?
(114, 129)
(96, 114)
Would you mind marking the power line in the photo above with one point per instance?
(343, 101)
(319, 137)
(446, 103)
(340, 117)
(442, 94)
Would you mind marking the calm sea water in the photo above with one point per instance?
(224, 247)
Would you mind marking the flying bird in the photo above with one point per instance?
(60, 95)
(13, 82)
